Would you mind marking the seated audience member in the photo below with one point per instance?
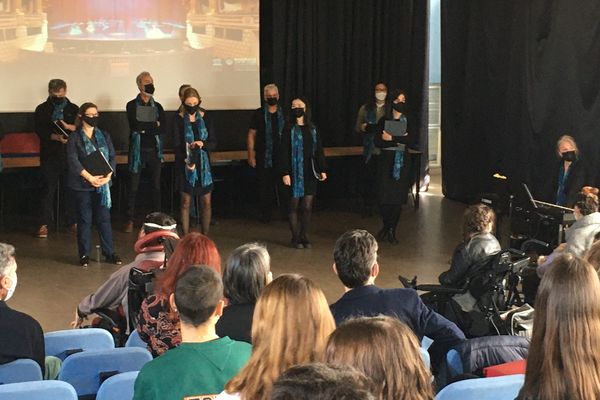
(385, 350)
(318, 381)
(21, 336)
(159, 230)
(158, 326)
(245, 275)
(593, 255)
(355, 256)
(201, 365)
(582, 234)
(290, 326)
(563, 360)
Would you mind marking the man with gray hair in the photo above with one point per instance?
(355, 256)
(21, 336)
(264, 141)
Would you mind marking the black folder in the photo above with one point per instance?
(96, 164)
(59, 129)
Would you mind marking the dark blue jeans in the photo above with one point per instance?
(89, 210)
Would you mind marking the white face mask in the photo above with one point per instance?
(11, 291)
(380, 95)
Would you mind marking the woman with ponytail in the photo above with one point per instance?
(92, 192)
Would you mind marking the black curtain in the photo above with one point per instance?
(334, 51)
(516, 76)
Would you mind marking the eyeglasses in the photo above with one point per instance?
(92, 115)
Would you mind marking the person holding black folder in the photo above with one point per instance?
(393, 175)
(54, 121)
(91, 160)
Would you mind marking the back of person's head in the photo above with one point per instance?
(477, 219)
(387, 351)
(290, 326)
(355, 254)
(198, 291)
(246, 273)
(193, 249)
(318, 381)
(563, 360)
(158, 221)
(593, 255)
(587, 200)
(7, 259)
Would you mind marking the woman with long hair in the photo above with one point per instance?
(291, 324)
(385, 350)
(158, 326)
(563, 360)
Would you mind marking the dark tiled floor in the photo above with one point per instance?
(51, 284)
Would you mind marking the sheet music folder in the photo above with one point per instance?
(96, 164)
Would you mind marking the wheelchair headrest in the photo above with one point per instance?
(153, 241)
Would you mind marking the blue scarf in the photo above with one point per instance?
(135, 160)
(368, 138)
(104, 190)
(298, 159)
(561, 196)
(188, 132)
(269, 134)
(58, 111)
(398, 159)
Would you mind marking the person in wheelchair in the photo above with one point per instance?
(156, 241)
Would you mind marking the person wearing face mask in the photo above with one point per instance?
(193, 140)
(263, 143)
(180, 94)
(393, 173)
(570, 174)
(146, 123)
(302, 166)
(54, 119)
(369, 115)
(92, 193)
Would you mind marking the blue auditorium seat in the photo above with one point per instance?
(23, 370)
(118, 387)
(500, 388)
(42, 390)
(63, 343)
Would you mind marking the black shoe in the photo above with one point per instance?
(84, 261)
(113, 259)
(391, 236)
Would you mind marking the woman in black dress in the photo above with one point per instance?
(393, 175)
(193, 141)
(302, 166)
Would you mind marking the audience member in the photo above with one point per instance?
(245, 275)
(355, 256)
(385, 350)
(563, 361)
(201, 365)
(290, 326)
(158, 326)
(593, 255)
(318, 381)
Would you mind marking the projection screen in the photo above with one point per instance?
(99, 47)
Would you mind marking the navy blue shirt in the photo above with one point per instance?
(76, 152)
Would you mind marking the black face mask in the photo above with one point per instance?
(298, 112)
(272, 101)
(569, 156)
(191, 109)
(91, 121)
(57, 99)
(149, 88)
(400, 107)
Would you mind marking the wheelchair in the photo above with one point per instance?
(491, 286)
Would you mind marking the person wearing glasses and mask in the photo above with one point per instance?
(92, 192)
(193, 140)
(302, 166)
(54, 120)
(369, 115)
(146, 124)
(264, 142)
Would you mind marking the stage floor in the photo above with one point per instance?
(51, 283)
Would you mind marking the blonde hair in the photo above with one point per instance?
(385, 350)
(291, 324)
(563, 360)
(567, 138)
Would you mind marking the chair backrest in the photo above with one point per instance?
(134, 340)
(23, 370)
(63, 343)
(118, 387)
(501, 388)
(454, 363)
(87, 370)
(42, 390)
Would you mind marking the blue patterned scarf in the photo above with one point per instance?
(398, 159)
(104, 190)
(369, 138)
(269, 134)
(135, 159)
(188, 132)
(58, 111)
(298, 159)
(561, 196)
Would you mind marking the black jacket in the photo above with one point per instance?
(576, 180)
(51, 149)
